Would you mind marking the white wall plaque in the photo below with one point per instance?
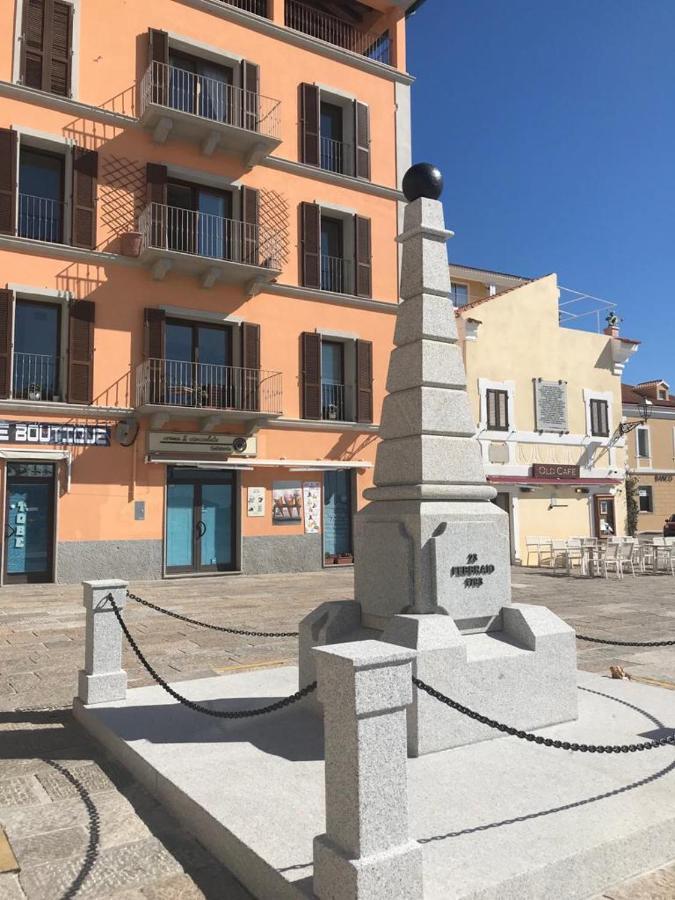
(551, 405)
(255, 502)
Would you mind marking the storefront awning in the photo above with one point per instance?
(205, 462)
(561, 482)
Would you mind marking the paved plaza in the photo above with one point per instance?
(80, 827)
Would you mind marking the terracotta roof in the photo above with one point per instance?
(641, 384)
(632, 394)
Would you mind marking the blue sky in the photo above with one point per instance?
(553, 122)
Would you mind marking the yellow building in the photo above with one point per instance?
(651, 451)
(547, 402)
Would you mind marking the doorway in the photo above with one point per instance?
(338, 492)
(603, 516)
(29, 523)
(503, 501)
(201, 521)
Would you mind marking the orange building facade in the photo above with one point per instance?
(199, 203)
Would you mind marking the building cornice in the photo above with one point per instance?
(51, 409)
(347, 181)
(297, 38)
(65, 104)
(632, 411)
(646, 471)
(62, 251)
(303, 293)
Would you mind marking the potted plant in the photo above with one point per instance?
(345, 559)
(132, 242)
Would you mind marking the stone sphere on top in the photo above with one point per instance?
(423, 180)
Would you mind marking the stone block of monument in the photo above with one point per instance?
(431, 551)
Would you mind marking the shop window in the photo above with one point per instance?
(599, 418)
(497, 405)
(646, 499)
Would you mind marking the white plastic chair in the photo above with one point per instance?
(559, 554)
(612, 559)
(627, 556)
(532, 547)
(575, 555)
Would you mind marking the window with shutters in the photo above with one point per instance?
(497, 409)
(337, 378)
(335, 250)
(45, 57)
(41, 212)
(334, 132)
(599, 418)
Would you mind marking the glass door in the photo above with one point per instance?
(337, 516)
(29, 522)
(200, 521)
(605, 525)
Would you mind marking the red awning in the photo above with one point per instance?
(528, 479)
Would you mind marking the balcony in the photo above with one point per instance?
(337, 402)
(41, 219)
(211, 112)
(337, 275)
(331, 30)
(211, 247)
(35, 376)
(201, 390)
(257, 7)
(336, 156)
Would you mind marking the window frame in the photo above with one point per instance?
(596, 407)
(74, 50)
(460, 284)
(649, 494)
(498, 393)
(643, 429)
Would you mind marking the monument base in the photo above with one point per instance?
(522, 672)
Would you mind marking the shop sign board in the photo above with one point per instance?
(55, 434)
(546, 470)
(186, 443)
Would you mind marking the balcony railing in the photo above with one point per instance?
(337, 156)
(336, 401)
(213, 237)
(258, 7)
(336, 275)
(321, 25)
(41, 218)
(210, 99)
(170, 382)
(35, 377)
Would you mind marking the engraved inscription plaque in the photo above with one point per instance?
(551, 405)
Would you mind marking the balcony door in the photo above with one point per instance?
(201, 521)
(198, 365)
(200, 87)
(199, 221)
(37, 341)
(333, 275)
(333, 381)
(332, 146)
(41, 195)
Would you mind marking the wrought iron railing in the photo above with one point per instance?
(321, 25)
(210, 99)
(41, 218)
(35, 376)
(337, 156)
(337, 401)
(337, 275)
(202, 234)
(258, 7)
(170, 382)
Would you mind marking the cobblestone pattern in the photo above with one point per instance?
(79, 825)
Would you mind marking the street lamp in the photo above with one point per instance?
(644, 411)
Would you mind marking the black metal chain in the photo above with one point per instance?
(594, 640)
(537, 738)
(175, 615)
(197, 707)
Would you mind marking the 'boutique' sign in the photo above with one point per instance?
(54, 434)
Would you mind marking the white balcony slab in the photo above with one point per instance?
(208, 269)
(497, 820)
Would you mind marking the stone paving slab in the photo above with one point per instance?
(42, 636)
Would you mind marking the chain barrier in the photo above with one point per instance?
(181, 618)
(537, 738)
(594, 640)
(197, 707)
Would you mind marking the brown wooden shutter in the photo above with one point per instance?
(250, 361)
(156, 176)
(85, 181)
(9, 147)
(250, 242)
(310, 244)
(362, 143)
(81, 352)
(6, 341)
(362, 257)
(158, 58)
(32, 43)
(61, 26)
(310, 124)
(364, 381)
(250, 83)
(154, 349)
(311, 375)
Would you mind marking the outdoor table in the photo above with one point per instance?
(592, 557)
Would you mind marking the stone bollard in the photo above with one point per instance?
(367, 852)
(103, 677)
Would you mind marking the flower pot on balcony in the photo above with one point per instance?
(132, 242)
(344, 559)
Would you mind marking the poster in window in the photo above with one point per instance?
(255, 502)
(311, 493)
(286, 503)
